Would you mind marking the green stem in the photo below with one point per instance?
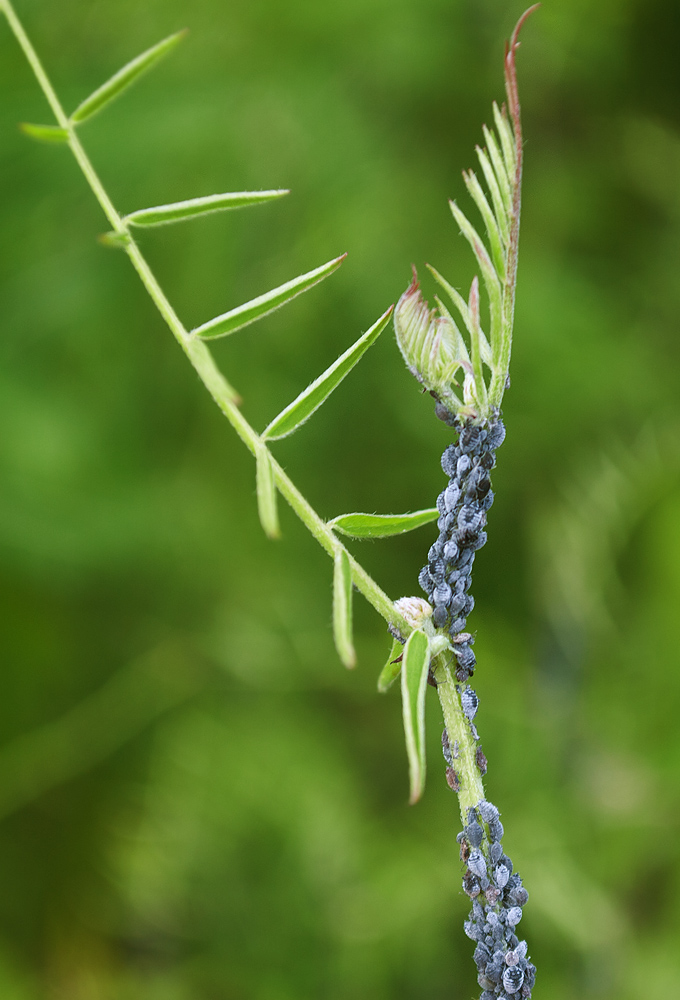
(196, 350)
(458, 728)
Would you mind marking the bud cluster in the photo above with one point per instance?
(505, 971)
(463, 507)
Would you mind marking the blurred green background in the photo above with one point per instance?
(196, 800)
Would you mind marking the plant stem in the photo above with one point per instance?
(196, 350)
(457, 726)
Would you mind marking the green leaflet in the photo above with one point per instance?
(391, 670)
(342, 608)
(266, 493)
(237, 318)
(315, 394)
(414, 670)
(45, 133)
(162, 214)
(124, 77)
(382, 525)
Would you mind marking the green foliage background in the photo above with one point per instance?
(197, 800)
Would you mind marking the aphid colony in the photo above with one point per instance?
(498, 897)
(463, 507)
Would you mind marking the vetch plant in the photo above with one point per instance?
(464, 366)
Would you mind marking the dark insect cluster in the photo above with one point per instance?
(497, 896)
(463, 507)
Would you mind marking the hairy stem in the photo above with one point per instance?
(196, 350)
(457, 726)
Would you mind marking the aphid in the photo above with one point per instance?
(479, 541)
(470, 929)
(513, 977)
(501, 876)
(496, 435)
(482, 764)
(449, 460)
(439, 616)
(444, 414)
(465, 656)
(442, 593)
(520, 896)
(474, 833)
(446, 747)
(514, 915)
(470, 885)
(464, 850)
(496, 829)
(452, 779)
(505, 860)
(511, 958)
(425, 580)
(451, 496)
(495, 852)
(469, 519)
(470, 703)
(476, 863)
(487, 502)
(469, 605)
(488, 810)
(492, 895)
(458, 602)
(451, 551)
(463, 466)
(481, 956)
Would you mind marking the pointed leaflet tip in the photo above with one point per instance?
(125, 77)
(301, 409)
(414, 670)
(45, 133)
(251, 311)
(342, 608)
(178, 211)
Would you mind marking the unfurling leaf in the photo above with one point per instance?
(392, 668)
(160, 215)
(381, 525)
(45, 133)
(415, 666)
(124, 77)
(237, 318)
(266, 493)
(342, 609)
(315, 394)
